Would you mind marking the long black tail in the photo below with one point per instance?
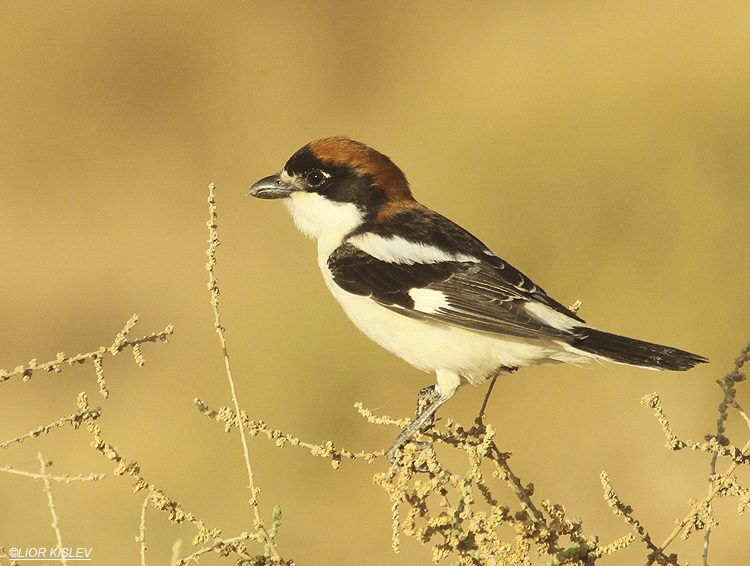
(634, 352)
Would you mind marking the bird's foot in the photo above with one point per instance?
(428, 401)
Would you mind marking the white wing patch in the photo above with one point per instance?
(550, 316)
(395, 249)
(428, 300)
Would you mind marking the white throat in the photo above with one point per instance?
(322, 219)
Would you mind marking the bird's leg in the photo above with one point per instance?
(427, 396)
(424, 418)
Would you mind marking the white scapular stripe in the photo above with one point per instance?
(395, 249)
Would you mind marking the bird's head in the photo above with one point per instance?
(333, 185)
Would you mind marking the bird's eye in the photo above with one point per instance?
(316, 177)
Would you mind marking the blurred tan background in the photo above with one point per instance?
(602, 148)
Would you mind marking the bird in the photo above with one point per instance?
(426, 289)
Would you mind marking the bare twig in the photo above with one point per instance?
(121, 342)
(575, 307)
(75, 419)
(468, 531)
(701, 509)
(176, 551)
(141, 538)
(51, 505)
(234, 544)
(60, 479)
(213, 287)
(324, 450)
(717, 445)
(714, 445)
(625, 511)
(156, 497)
(727, 385)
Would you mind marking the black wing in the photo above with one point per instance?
(488, 294)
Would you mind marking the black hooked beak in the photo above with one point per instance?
(270, 187)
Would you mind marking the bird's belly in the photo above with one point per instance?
(434, 346)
